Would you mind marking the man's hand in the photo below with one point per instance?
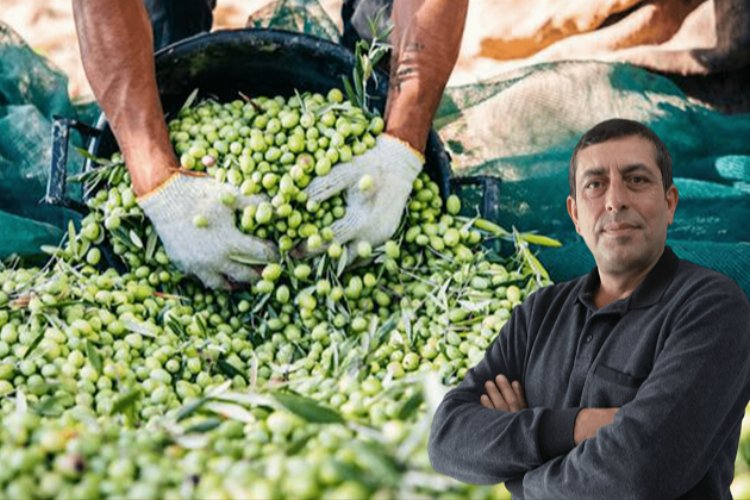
(377, 184)
(503, 395)
(589, 420)
(195, 219)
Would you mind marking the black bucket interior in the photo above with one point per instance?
(260, 62)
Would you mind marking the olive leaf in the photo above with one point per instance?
(229, 369)
(189, 409)
(126, 401)
(230, 410)
(244, 259)
(190, 100)
(136, 239)
(343, 259)
(411, 405)
(92, 353)
(206, 425)
(309, 409)
(377, 462)
(21, 405)
(50, 407)
(33, 345)
(538, 239)
(151, 242)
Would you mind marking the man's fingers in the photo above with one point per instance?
(494, 394)
(507, 392)
(518, 389)
(485, 401)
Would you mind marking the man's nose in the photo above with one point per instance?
(617, 196)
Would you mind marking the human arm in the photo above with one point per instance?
(662, 443)
(425, 39)
(477, 444)
(116, 48)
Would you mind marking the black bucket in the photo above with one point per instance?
(255, 62)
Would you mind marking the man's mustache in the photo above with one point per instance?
(610, 222)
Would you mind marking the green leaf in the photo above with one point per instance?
(534, 264)
(229, 369)
(386, 327)
(50, 407)
(177, 328)
(348, 89)
(126, 401)
(308, 409)
(201, 321)
(72, 238)
(411, 405)
(538, 239)
(376, 462)
(321, 266)
(135, 239)
(153, 239)
(343, 259)
(490, 227)
(205, 426)
(21, 405)
(299, 444)
(244, 259)
(92, 353)
(230, 410)
(189, 409)
(51, 250)
(34, 344)
(190, 100)
(86, 154)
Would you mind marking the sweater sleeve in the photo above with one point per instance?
(662, 442)
(486, 446)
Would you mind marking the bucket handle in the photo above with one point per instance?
(58, 172)
(490, 186)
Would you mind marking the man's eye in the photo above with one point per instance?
(593, 185)
(637, 179)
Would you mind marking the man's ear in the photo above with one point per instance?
(573, 212)
(673, 197)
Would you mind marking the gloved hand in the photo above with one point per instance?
(373, 212)
(197, 227)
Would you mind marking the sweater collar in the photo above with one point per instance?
(648, 293)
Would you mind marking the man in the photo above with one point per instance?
(116, 47)
(630, 382)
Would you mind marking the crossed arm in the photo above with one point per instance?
(501, 394)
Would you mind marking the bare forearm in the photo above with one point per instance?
(426, 40)
(116, 48)
(590, 420)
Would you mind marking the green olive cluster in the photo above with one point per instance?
(275, 147)
(120, 377)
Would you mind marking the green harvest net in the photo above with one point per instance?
(31, 93)
(521, 127)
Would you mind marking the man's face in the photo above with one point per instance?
(620, 208)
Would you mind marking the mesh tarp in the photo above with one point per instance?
(31, 93)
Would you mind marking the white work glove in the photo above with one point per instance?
(205, 251)
(373, 214)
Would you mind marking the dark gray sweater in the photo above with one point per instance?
(675, 356)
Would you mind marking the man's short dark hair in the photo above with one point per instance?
(616, 128)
